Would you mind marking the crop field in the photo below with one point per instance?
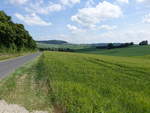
(85, 83)
(128, 51)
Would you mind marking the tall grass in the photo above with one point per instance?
(81, 83)
(6, 53)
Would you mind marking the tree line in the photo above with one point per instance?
(13, 35)
(123, 45)
(112, 46)
(57, 49)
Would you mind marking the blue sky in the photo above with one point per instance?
(82, 21)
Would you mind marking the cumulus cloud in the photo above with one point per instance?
(146, 18)
(69, 2)
(32, 19)
(113, 36)
(18, 1)
(89, 17)
(41, 8)
(123, 1)
(129, 35)
(74, 29)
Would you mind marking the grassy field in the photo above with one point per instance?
(81, 83)
(129, 51)
(62, 82)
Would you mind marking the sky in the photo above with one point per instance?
(82, 21)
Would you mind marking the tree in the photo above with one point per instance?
(110, 46)
(14, 35)
(143, 43)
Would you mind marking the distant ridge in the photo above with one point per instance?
(52, 42)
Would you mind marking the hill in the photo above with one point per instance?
(70, 46)
(128, 51)
(52, 42)
(91, 49)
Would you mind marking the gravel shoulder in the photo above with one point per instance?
(14, 108)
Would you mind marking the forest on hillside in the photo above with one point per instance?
(14, 36)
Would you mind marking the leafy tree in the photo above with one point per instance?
(14, 36)
(110, 46)
(143, 43)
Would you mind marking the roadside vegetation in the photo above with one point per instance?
(24, 89)
(14, 39)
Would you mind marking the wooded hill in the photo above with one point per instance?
(14, 36)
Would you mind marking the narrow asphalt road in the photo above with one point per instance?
(8, 66)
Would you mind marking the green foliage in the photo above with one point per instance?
(110, 46)
(143, 43)
(14, 36)
(82, 83)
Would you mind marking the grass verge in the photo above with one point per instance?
(24, 89)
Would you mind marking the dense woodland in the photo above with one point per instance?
(14, 36)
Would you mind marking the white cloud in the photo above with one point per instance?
(113, 36)
(146, 18)
(123, 1)
(89, 17)
(130, 35)
(74, 29)
(32, 19)
(69, 2)
(107, 27)
(18, 1)
(41, 8)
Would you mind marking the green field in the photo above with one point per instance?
(82, 83)
(61, 82)
(128, 51)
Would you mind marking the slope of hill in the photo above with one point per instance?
(90, 49)
(128, 51)
(70, 46)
